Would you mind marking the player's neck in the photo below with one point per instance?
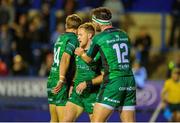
(88, 45)
(85, 47)
(71, 30)
(106, 27)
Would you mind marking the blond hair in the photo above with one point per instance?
(73, 21)
(89, 27)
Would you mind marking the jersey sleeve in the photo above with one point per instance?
(98, 61)
(71, 46)
(94, 48)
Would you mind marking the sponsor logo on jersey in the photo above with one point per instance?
(127, 88)
(117, 39)
(111, 100)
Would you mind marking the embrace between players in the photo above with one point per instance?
(91, 72)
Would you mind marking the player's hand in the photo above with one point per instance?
(58, 87)
(81, 87)
(79, 51)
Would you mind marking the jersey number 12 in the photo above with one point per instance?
(121, 56)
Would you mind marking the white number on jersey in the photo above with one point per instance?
(121, 56)
(56, 56)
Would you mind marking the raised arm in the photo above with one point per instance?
(80, 52)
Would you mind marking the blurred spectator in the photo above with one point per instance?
(46, 65)
(70, 7)
(172, 64)
(59, 30)
(36, 4)
(21, 7)
(34, 37)
(117, 9)
(21, 45)
(128, 4)
(174, 40)
(6, 12)
(3, 68)
(38, 25)
(34, 29)
(127, 22)
(84, 6)
(171, 94)
(142, 46)
(140, 74)
(19, 66)
(56, 4)
(45, 13)
(6, 38)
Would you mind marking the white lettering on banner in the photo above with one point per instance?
(2, 89)
(11, 89)
(20, 88)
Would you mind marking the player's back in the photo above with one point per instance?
(114, 47)
(66, 42)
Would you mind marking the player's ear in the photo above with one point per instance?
(90, 35)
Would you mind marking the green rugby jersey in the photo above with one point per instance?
(66, 42)
(86, 71)
(114, 47)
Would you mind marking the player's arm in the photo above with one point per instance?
(80, 52)
(65, 61)
(91, 53)
(96, 81)
(89, 83)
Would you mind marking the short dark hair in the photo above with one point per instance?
(102, 13)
